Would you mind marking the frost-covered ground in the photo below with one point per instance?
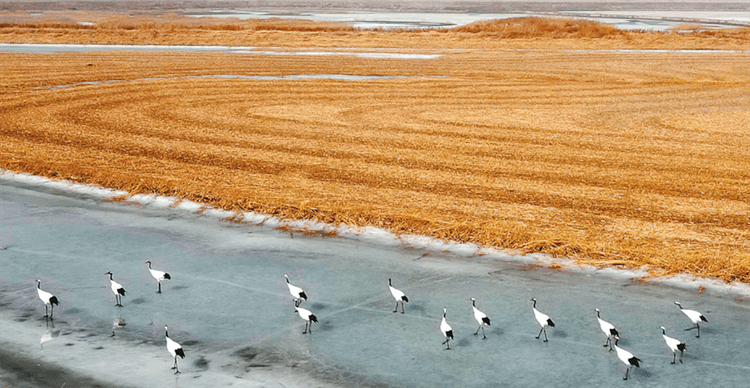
(229, 307)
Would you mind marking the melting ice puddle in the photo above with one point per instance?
(30, 48)
(293, 77)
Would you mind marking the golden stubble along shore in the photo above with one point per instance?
(624, 159)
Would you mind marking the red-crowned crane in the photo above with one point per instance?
(158, 275)
(174, 349)
(309, 318)
(116, 289)
(482, 318)
(628, 359)
(694, 317)
(544, 321)
(609, 330)
(674, 345)
(296, 292)
(447, 330)
(399, 296)
(47, 298)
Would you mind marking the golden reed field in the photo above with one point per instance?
(508, 139)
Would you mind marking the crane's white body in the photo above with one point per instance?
(481, 318)
(296, 292)
(399, 296)
(158, 275)
(628, 359)
(695, 317)
(544, 321)
(174, 349)
(309, 318)
(47, 298)
(608, 329)
(674, 345)
(447, 330)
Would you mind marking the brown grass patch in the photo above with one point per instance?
(610, 159)
(168, 29)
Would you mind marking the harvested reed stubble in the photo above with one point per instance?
(610, 159)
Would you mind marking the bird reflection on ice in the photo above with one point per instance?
(118, 323)
(50, 334)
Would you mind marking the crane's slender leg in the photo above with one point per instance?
(45, 311)
(626, 373)
(52, 312)
(681, 356)
(674, 357)
(477, 332)
(159, 283)
(699, 330)
(484, 337)
(540, 333)
(396, 310)
(305, 332)
(545, 335)
(607, 343)
(402, 306)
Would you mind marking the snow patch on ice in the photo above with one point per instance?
(377, 235)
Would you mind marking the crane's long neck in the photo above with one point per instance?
(474, 303)
(39, 285)
(110, 277)
(597, 314)
(680, 306)
(166, 332)
(534, 304)
(149, 264)
(389, 283)
(663, 332)
(287, 280)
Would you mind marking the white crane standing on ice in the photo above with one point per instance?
(47, 298)
(544, 321)
(447, 330)
(609, 330)
(694, 317)
(174, 349)
(296, 292)
(399, 296)
(116, 289)
(674, 345)
(309, 318)
(158, 275)
(482, 319)
(628, 359)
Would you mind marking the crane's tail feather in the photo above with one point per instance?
(166, 276)
(53, 300)
(180, 352)
(550, 323)
(405, 299)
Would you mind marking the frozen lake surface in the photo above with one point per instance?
(228, 305)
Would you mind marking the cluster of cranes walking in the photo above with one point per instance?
(299, 295)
